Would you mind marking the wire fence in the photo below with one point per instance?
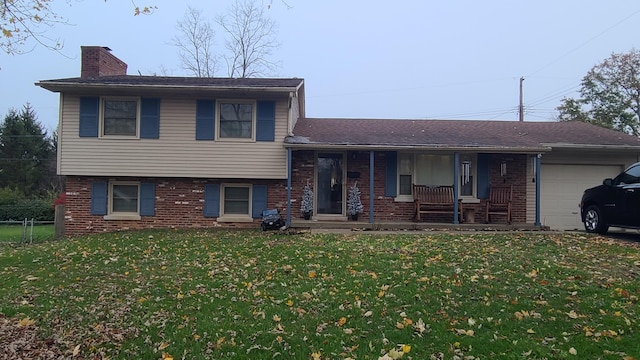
(27, 231)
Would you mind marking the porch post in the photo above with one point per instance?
(371, 194)
(456, 175)
(538, 157)
(288, 187)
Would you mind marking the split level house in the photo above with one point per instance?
(183, 152)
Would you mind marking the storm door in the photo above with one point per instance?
(330, 191)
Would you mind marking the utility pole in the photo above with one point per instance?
(521, 107)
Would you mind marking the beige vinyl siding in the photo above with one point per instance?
(176, 153)
(531, 191)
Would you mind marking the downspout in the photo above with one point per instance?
(538, 157)
(371, 195)
(456, 165)
(289, 187)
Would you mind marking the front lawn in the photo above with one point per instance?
(249, 294)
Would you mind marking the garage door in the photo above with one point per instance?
(561, 188)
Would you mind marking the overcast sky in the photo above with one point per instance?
(458, 59)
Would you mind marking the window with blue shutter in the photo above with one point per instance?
(483, 176)
(391, 176)
(205, 119)
(89, 116)
(150, 118)
(211, 200)
(266, 121)
(147, 199)
(259, 200)
(99, 198)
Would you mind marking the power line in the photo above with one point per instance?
(584, 43)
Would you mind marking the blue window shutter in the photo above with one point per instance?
(147, 199)
(89, 113)
(483, 176)
(211, 200)
(150, 118)
(99, 198)
(266, 121)
(391, 178)
(205, 119)
(259, 200)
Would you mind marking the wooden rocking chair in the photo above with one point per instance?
(499, 202)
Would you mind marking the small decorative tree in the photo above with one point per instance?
(306, 206)
(354, 204)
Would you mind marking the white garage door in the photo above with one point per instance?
(561, 188)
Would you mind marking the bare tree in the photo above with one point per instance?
(22, 20)
(195, 44)
(251, 40)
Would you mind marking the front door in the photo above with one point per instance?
(330, 175)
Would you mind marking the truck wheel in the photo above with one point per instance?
(594, 221)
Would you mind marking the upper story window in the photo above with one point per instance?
(120, 116)
(236, 119)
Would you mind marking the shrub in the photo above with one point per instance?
(14, 206)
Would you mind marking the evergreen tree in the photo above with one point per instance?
(26, 153)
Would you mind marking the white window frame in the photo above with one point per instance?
(119, 98)
(235, 217)
(472, 157)
(254, 111)
(405, 197)
(114, 215)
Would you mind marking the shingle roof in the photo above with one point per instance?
(171, 81)
(456, 134)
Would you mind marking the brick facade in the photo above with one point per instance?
(179, 204)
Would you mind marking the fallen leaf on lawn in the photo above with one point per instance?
(163, 345)
(276, 318)
(76, 350)
(316, 355)
(31, 278)
(572, 314)
(368, 313)
(419, 327)
(573, 351)
(26, 322)
(167, 356)
(531, 331)
(465, 332)
(342, 321)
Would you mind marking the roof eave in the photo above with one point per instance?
(592, 146)
(390, 147)
(65, 86)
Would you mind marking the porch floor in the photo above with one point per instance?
(408, 226)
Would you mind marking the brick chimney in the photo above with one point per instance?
(98, 61)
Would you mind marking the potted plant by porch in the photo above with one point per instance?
(306, 206)
(354, 204)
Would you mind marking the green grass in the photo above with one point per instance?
(246, 294)
(13, 233)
